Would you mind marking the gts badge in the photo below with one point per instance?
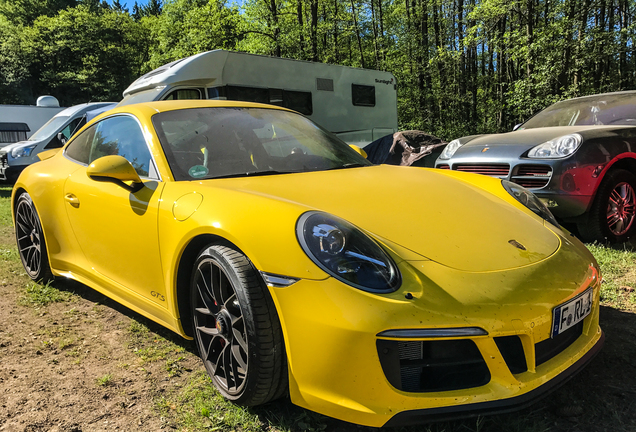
(157, 295)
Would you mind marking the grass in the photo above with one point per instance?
(104, 381)
(5, 207)
(38, 295)
(618, 268)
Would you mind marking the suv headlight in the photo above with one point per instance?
(530, 200)
(450, 149)
(557, 148)
(346, 253)
(24, 151)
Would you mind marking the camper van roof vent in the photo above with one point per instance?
(48, 102)
(325, 84)
(161, 69)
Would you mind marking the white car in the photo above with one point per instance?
(17, 156)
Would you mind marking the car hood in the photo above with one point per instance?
(438, 215)
(520, 141)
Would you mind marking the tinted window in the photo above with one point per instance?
(605, 109)
(362, 95)
(80, 148)
(121, 135)
(247, 94)
(184, 94)
(298, 101)
(229, 142)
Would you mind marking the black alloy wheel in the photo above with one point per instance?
(612, 217)
(237, 331)
(30, 239)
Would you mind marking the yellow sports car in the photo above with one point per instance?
(378, 295)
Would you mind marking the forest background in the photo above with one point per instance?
(462, 66)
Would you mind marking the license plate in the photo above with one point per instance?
(571, 313)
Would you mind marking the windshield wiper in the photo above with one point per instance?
(253, 174)
(349, 165)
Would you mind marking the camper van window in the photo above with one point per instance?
(182, 94)
(362, 95)
(13, 132)
(298, 101)
(216, 92)
(248, 94)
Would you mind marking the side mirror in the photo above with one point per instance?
(115, 169)
(61, 138)
(358, 150)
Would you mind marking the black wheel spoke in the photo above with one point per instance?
(219, 326)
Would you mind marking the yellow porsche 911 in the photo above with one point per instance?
(379, 295)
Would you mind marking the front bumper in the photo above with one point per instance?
(7, 172)
(566, 185)
(332, 335)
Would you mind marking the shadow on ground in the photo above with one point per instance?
(600, 398)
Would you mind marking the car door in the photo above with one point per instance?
(117, 229)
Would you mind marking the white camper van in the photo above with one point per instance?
(19, 122)
(358, 105)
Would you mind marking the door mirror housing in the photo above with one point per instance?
(358, 150)
(115, 169)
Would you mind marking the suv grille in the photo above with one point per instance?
(494, 170)
(532, 176)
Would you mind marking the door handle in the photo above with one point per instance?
(72, 200)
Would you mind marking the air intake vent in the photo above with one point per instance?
(324, 84)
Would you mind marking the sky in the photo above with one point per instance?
(130, 3)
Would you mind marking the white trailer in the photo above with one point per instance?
(358, 105)
(19, 122)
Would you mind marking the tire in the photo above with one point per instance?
(612, 217)
(30, 239)
(236, 328)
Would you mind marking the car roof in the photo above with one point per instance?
(147, 109)
(76, 109)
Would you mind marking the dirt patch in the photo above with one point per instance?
(70, 366)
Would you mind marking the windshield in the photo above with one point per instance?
(142, 96)
(608, 109)
(234, 142)
(49, 128)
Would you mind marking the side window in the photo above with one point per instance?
(248, 94)
(121, 135)
(67, 132)
(362, 95)
(80, 148)
(182, 94)
(298, 101)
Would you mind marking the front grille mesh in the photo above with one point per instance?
(532, 176)
(431, 366)
(494, 170)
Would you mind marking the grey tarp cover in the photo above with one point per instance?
(406, 148)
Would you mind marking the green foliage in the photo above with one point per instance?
(104, 381)
(462, 66)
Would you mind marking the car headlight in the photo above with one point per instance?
(450, 149)
(557, 148)
(24, 151)
(530, 200)
(346, 253)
